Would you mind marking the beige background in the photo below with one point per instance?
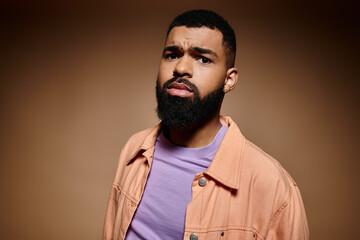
(78, 78)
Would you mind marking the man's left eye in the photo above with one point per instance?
(204, 60)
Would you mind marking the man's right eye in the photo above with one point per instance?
(170, 56)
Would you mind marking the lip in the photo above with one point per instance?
(180, 86)
(179, 89)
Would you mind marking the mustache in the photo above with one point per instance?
(183, 80)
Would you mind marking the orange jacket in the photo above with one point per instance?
(246, 193)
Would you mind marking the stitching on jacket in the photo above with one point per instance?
(127, 195)
(285, 204)
(280, 210)
(224, 228)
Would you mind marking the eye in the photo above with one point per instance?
(204, 60)
(171, 56)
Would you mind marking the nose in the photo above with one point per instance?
(184, 67)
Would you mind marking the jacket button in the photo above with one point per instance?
(193, 236)
(202, 182)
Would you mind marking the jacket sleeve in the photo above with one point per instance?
(110, 214)
(289, 222)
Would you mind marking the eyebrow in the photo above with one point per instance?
(200, 50)
(204, 51)
(172, 48)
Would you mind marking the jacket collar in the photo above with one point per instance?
(227, 163)
(145, 147)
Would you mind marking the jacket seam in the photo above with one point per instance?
(280, 210)
(221, 228)
(127, 195)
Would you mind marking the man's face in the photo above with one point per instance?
(191, 76)
(196, 54)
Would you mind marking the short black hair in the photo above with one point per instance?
(206, 18)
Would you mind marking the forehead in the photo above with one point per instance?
(204, 37)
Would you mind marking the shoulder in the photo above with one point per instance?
(261, 162)
(269, 179)
(271, 187)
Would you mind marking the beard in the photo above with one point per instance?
(181, 112)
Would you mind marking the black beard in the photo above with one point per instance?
(181, 112)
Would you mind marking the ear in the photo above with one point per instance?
(230, 80)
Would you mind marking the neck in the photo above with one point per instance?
(197, 135)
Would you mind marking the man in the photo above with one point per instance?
(194, 176)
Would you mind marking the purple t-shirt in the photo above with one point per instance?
(161, 212)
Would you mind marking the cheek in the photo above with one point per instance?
(209, 80)
(165, 72)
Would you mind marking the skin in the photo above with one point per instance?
(197, 54)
